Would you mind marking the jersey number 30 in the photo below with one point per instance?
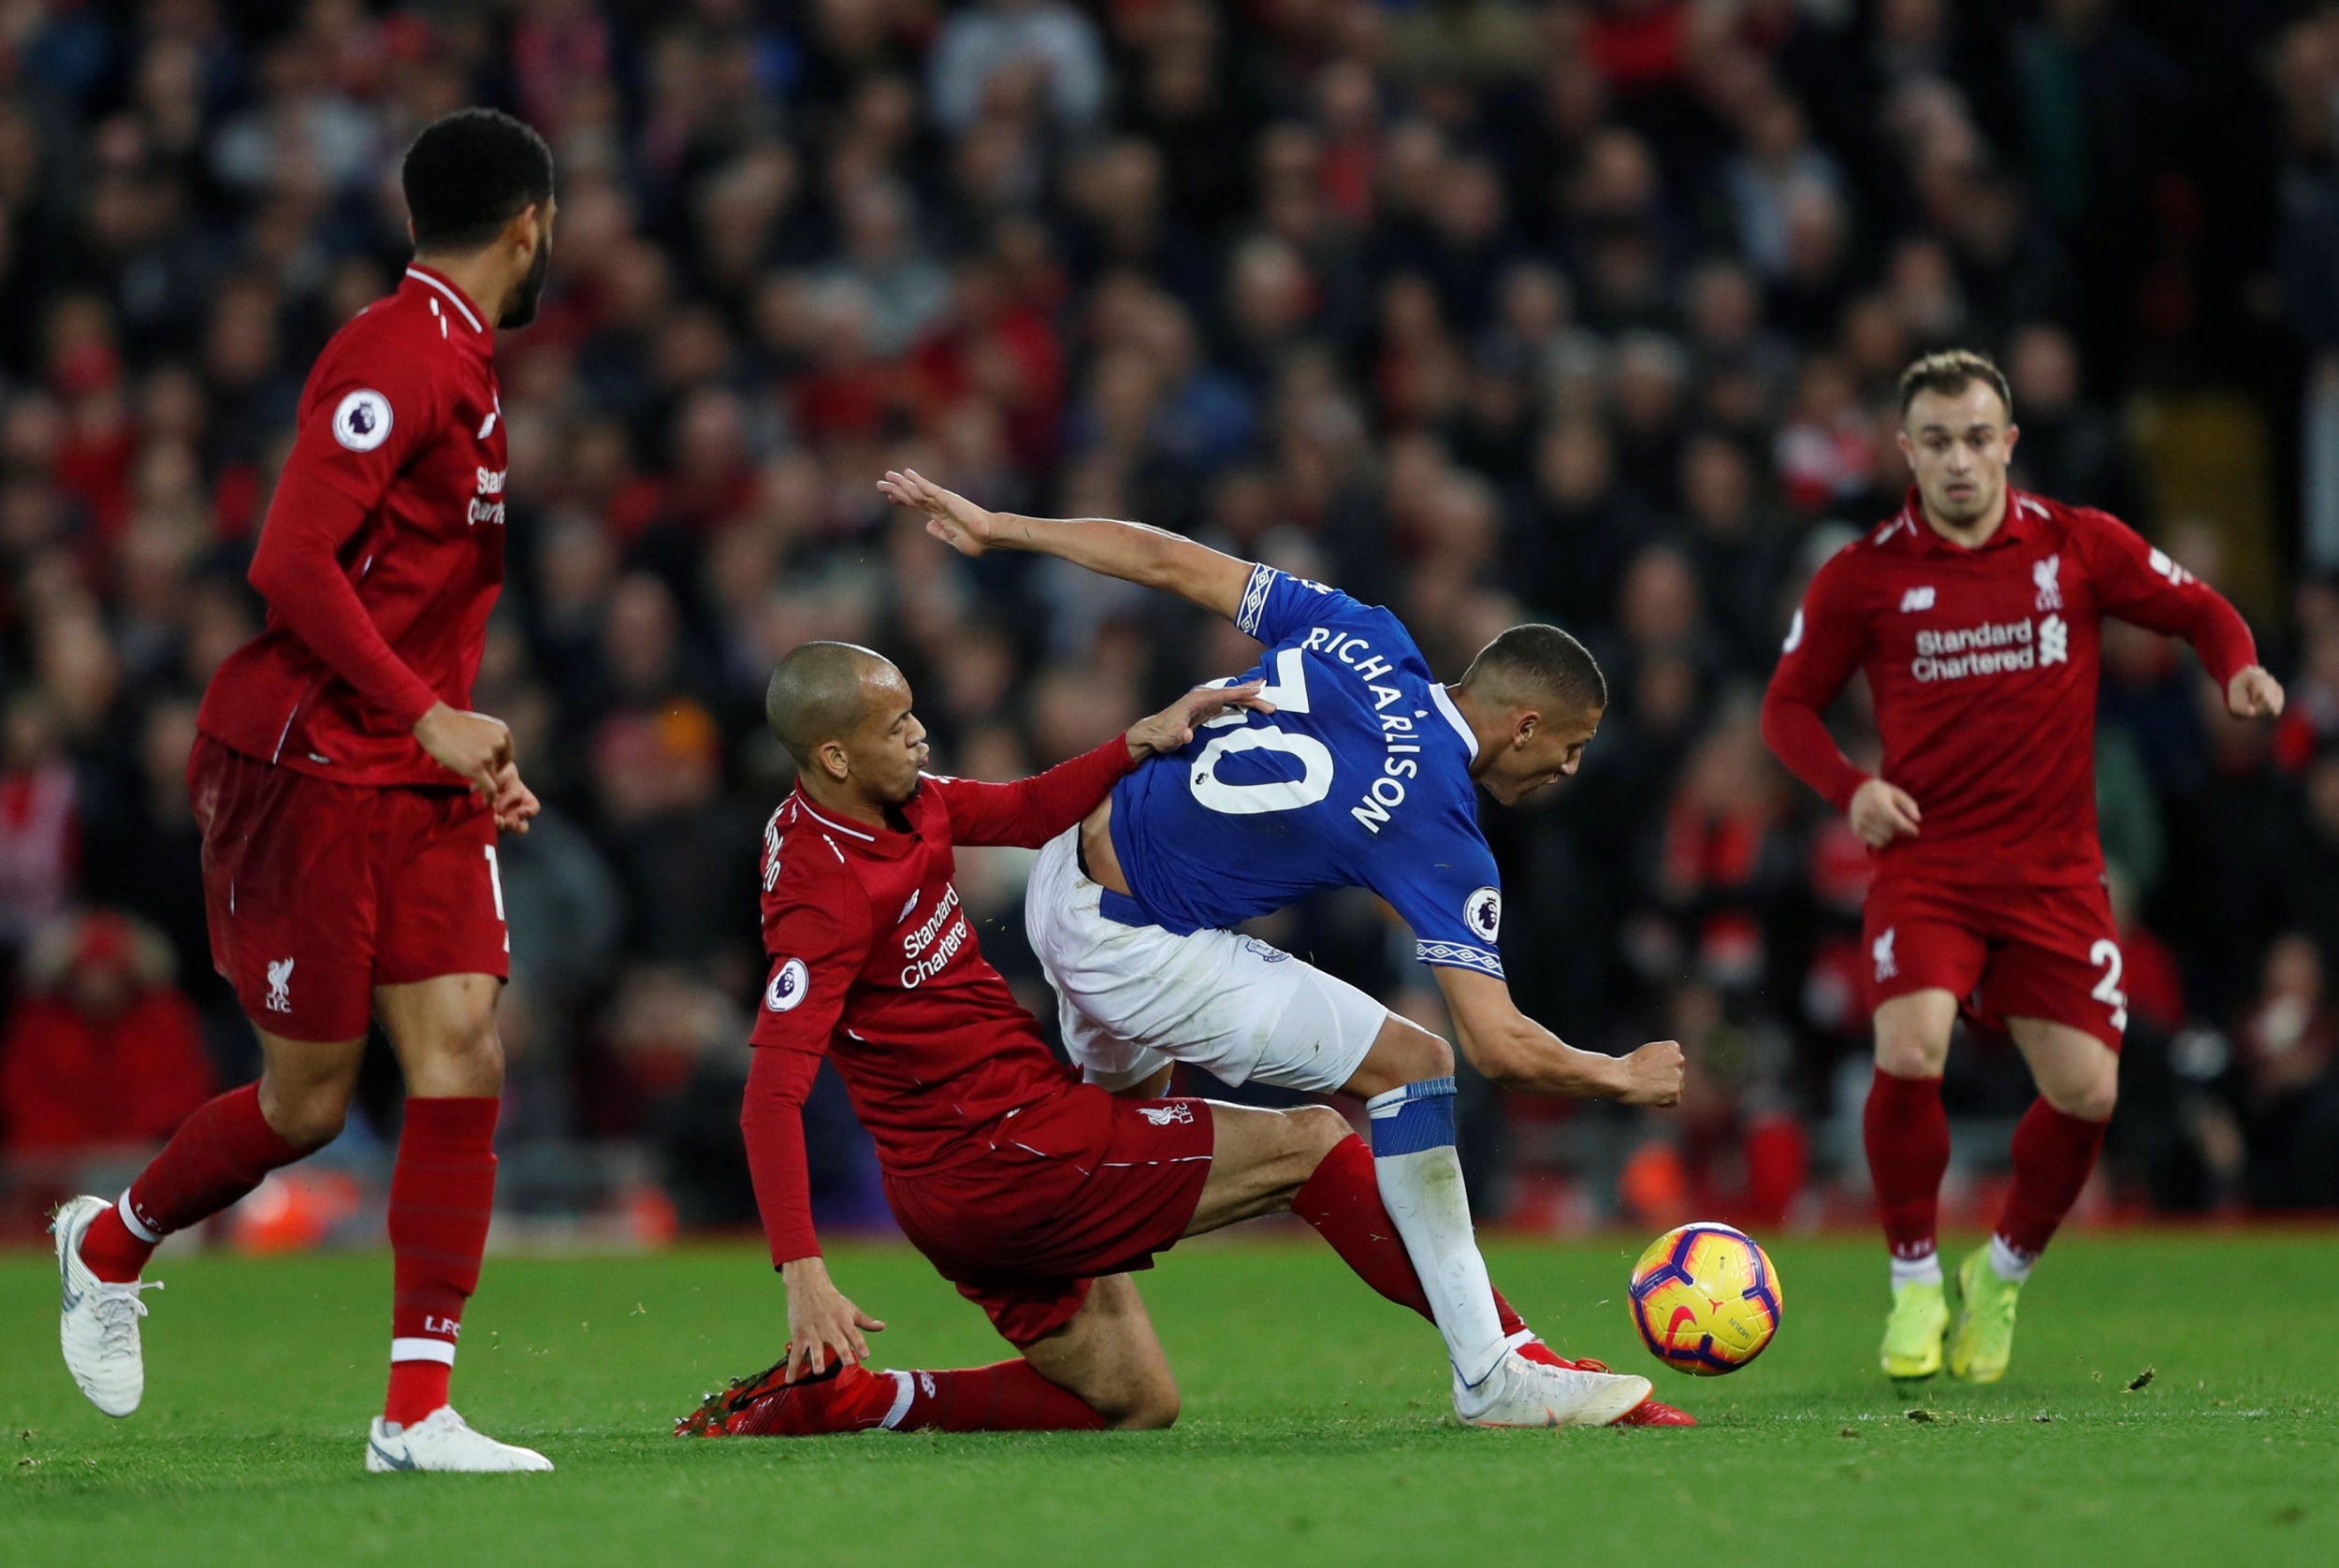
(1288, 693)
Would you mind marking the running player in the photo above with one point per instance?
(1034, 1193)
(349, 800)
(1365, 774)
(1976, 614)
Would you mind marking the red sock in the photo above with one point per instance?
(2052, 1155)
(1907, 1133)
(1343, 1200)
(1005, 1396)
(217, 1156)
(441, 1192)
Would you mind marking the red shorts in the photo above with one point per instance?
(1022, 1233)
(318, 891)
(2004, 952)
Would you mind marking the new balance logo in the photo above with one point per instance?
(1162, 1115)
(1882, 951)
(2044, 576)
(907, 907)
(280, 985)
(1916, 599)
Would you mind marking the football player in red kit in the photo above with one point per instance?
(1976, 614)
(349, 800)
(1034, 1193)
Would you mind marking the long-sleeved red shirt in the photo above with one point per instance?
(874, 965)
(1983, 665)
(383, 551)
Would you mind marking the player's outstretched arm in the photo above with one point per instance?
(1516, 1053)
(1133, 552)
(822, 1324)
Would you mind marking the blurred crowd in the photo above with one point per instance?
(1488, 311)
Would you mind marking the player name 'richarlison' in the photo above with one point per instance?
(1387, 792)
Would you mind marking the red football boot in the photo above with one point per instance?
(1648, 1412)
(843, 1399)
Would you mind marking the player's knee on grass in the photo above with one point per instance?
(1145, 1405)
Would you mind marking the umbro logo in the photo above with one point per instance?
(1916, 599)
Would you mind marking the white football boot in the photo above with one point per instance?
(441, 1441)
(1523, 1393)
(98, 1323)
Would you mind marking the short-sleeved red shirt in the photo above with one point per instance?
(1983, 665)
(398, 459)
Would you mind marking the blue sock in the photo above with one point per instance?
(1417, 1116)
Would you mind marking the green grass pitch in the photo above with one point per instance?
(1316, 1427)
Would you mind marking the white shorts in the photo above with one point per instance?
(1134, 998)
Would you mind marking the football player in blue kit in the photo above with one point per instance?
(1358, 770)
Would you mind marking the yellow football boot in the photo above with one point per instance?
(1912, 1334)
(1983, 1341)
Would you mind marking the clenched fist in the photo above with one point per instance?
(1652, 1074)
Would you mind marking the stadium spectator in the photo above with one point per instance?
(103, 1050)
(1591, 310)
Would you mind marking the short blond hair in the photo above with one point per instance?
(1950, 372)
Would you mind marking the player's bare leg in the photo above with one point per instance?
(2055, 1149)
(441, 1194)
(1109, 1356)
(1103, 1368)
(1265, 1162)
(1906, 1134)
(217, 1156)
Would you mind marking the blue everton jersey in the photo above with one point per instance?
(1360, 777)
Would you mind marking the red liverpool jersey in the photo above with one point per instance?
(383, 551)
(1983, 666)
(875, 963)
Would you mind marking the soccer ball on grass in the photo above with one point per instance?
(1705, 1299)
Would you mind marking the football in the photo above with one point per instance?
(1706, 1299)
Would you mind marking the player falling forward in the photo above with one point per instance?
(1977, 615)
(1034, 1193)
(349, 800)
(1363, 774)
